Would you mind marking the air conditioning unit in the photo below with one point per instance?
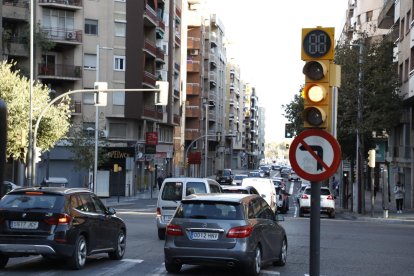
(70, 35)
(194, 52)
(103, 134)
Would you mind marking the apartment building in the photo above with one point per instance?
(397, 19)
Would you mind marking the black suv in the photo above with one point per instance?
(224, 176)
(58, 222)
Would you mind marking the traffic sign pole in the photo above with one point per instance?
(315, 229)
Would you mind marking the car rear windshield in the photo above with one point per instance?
(236, 191)
(32, 201)
(323, 192)
(174, 190)
(210, 210)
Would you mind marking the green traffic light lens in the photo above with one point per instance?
(314, 116)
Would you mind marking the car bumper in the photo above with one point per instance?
(208, 256)
(25, 248)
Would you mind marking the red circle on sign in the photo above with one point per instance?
(330, 170)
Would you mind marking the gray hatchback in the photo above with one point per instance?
(232, 230)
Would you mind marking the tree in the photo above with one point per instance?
(14, 90)
(293, 112)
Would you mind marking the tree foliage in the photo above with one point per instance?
(381, 104)
(15, 91)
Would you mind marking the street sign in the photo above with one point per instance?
(315, 155)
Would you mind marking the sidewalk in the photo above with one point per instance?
(378, 214)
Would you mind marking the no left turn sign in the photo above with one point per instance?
(315, 155)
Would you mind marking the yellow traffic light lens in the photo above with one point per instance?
(316, 93)
(314, 116)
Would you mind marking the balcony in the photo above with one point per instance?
(213, 79)
(192, 111)
(177, 67)
(160, 56)
(62, 4)
(176, 119)
(178, 14)
(150, 111)
(192, 133)
(213, 60)
(59, 71)
(193, 43)
(177, 39)
(150, 48)
(150, 17)
(63, 36)
(76, 107)
(386, 16)
(213, 39)
(160, 30)
(193, 89)
(193, 66)
(16, 10)
(16, 46)
(149, 79)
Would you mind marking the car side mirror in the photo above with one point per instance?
(111, 211)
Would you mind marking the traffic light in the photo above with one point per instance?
(371, 158)
(318, 53)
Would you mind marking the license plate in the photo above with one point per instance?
(167, 218)
(204, 236)
(24, 224)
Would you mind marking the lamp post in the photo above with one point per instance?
(95, 166)
(30, 150)
(206, 105)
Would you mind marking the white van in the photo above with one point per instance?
(173, 190)
(265, 187)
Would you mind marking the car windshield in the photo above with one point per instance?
(31, 201)
(210, 210)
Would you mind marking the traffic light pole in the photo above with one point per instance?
(315, 229)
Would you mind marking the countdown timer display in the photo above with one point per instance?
(317, 43)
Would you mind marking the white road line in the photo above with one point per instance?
(268, 272)
(138, 261)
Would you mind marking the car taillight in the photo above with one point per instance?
(158, 211)
(240, 232)
(174, 230)
(330, 197)
(304, 197)
(59, 219)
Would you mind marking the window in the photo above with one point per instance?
(91, 26)
(56, 21)
(118, 98)
(117, 130)
(406, 66)
(369, 16)
(89, 61)
(402, 25)
(120, 28)
(119, 63)
(408, 25)
(89, 98)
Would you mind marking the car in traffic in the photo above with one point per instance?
(224, 176)
(265, 188)
(173, 190)
(231, 230)
(266, 169)
(59, 223)
(254, 174)
(293, 176)
(285, 173)
(237, 180)
(240, 190)
(327, 202)
(300, 191)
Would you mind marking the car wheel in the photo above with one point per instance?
(332, 214)
(282, 255)
(173, 267)
(161, 234)
(78, 259)
(3, 261)
(120, 247)
(255, 267)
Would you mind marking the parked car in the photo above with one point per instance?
(265, 188)
(173, 190)
(237, 180)
(224, 176)
(327, 202)
(58, 222)
(240, 190)
(230, 230)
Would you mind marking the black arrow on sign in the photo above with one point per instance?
(319, 152)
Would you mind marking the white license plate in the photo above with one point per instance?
(204, 236)
(24, 224)
(167, 218)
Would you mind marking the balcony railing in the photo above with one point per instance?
(192, 111)
(193, 43)
(160, 55)
(192, 133)
(17, 9)
(151, 111)
(68, 4)
(63, 35)
(193, 66)
(150, 48)
(149, 78)
(193, 89)
(59, 70)
(150, 14)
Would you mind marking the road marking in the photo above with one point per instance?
(269, 272)
(138, 261)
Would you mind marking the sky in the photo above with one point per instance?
(265, 40)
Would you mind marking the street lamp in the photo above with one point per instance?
(95, 166)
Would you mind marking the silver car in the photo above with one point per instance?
(232, 230)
